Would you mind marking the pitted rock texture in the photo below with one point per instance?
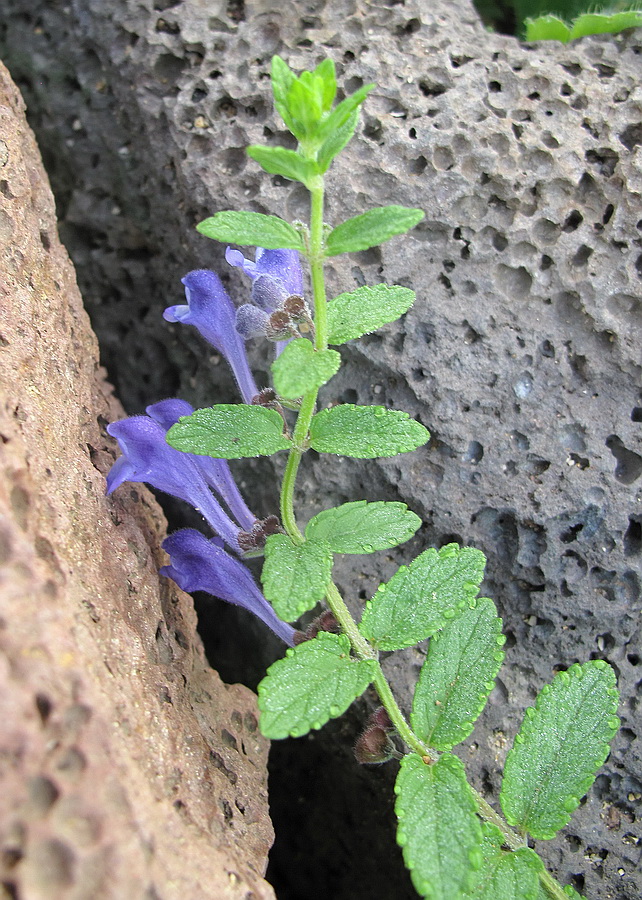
(522, 353)
(129, 770)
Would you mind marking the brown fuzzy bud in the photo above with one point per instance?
(255, 538)
(373, 747)
(325, 622)
(296, 309)
(279, 326)
(266, 397)
(381, 719)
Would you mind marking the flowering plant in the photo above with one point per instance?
(454, 843)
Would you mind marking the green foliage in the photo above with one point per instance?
(552, 28)
(361, 527)
(439, 832)
(280, 161)
(305, 105)
(371, 229)
(251, 229)
(504, 875)
(560, 746)
(420, 599)
(336, 141)
(365, 432)
(295, 576)
(450, 853)
(559, 20)
(457, 676)
(362, 311)
(230, 431)
(314, 682)
(300, 368)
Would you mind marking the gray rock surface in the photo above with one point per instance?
(129, 771)
(522, 353)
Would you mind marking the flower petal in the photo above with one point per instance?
(149, 458)
(210, 310)
(197, 564)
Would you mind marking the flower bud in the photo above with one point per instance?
(381, 719)
(373, 747)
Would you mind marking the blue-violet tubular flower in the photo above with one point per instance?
(148, 457)
(199, 564)
(210, 310)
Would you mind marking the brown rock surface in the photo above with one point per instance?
(127, 768)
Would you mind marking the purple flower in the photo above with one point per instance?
(148, 457)
(216, 472)
(199, 564)
(211, 311)
(276, 275)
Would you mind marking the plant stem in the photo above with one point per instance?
(316, 265)
(309, 401)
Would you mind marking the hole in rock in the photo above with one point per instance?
(628, 464)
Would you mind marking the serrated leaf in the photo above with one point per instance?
(253, 229)
(343, 112)
(326, 72)
(314, 682)
(561, 744)
(547, 28)
(281, 161)
(282, 78)
(596, 23)
(371, 229)
(457, 676)
(362, 311)
(365, 432)
(334, 144)
(362, 527)
(230, 431)
(439, 832)
(295, 576)
(304, 104)
(300, 368)
(420, 599)
(504, 875)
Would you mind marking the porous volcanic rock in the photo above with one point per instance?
(129, 770)
(521, 354)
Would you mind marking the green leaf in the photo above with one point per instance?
(295, 576)
(300, 368)
(371, 229)
(504, 875)
(326, 72)
(362, 311)
(343, 112)
(304, 104)
(280, 161)
(282, 78)
(420, 599)
(334, 144)
(362, 527)
(365, 432)
(547, 28)
(251, 229)
(230, 431)
(457, 676)
(439, 832)
(572, 893)
(314, 682)
(563, 741)
(594, 23)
